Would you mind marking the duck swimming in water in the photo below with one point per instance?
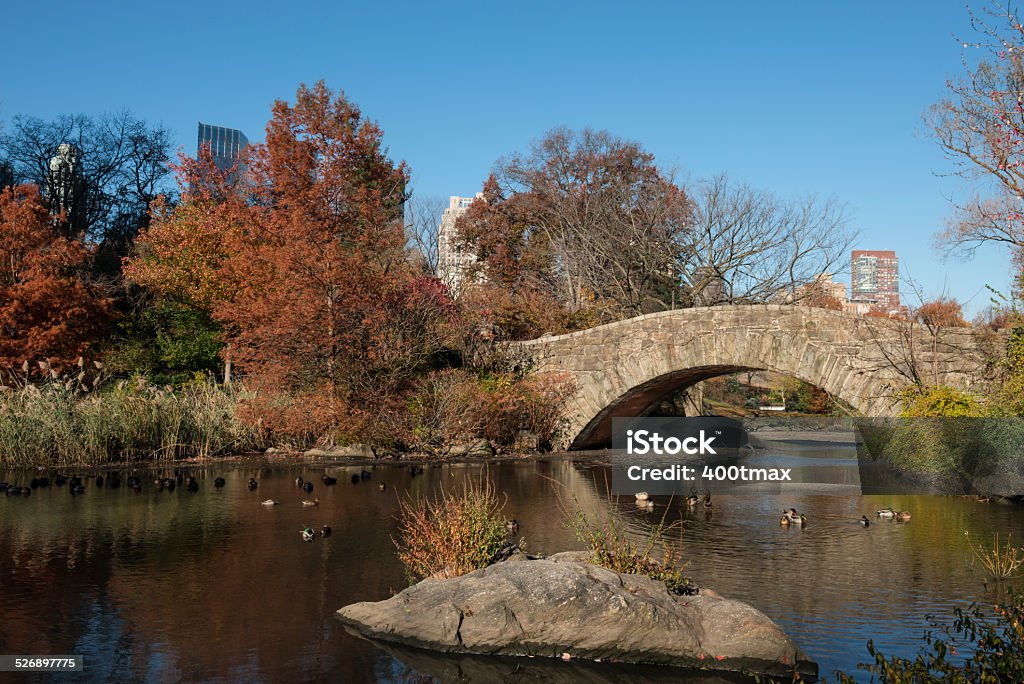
(311, 504)
(269, 502)
(885, 513)
(219, 482)
(903, 516)
(328, 480)
(253, 484)
(512, 525)
(794, 518)
(642, 496)
(325, 531)
(308, 534)
(864, 521)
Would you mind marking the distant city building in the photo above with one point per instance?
(226, 145)
(453, 262)
(65, 187)
(6, 175)
(875, 280)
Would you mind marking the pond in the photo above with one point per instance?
(213, 586)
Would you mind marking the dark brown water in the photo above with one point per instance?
(212, 586)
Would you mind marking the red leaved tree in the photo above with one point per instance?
(47, 311)
(308, 274)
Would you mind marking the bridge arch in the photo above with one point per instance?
(625, 369)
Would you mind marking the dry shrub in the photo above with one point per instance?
(533, 403)
(297, 420)
(456, 404)
(611, 545)
(452, 534)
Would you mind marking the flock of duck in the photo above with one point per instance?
(76, 485)
(789, 517)
(792, 517)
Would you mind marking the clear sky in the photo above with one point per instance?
(796, 97)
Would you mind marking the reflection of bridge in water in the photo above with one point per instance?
(626, 368)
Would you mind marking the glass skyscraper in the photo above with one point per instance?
(226, 144)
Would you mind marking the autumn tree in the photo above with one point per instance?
(309, 275)
(944, 312)
(585, 220)
(47, 311)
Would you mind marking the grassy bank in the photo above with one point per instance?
(60, 423)
(54, 425)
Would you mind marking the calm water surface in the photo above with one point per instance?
(212, 586)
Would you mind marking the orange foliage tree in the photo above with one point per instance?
(308, 273)
(943, 312)
(47, 311)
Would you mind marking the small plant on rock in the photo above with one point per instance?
(452, 534)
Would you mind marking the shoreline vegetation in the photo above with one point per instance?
(57, 424)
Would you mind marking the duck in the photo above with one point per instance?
(707, 499)
(269, 502)
(307, 487)
(16, 490)
(325, 531)
(253, 484)
(381, 487)
(328, 480)
(784, 521)
(299, 482)
(355, 478)
(642, 496)
(219, 482)
(793, 516)
(512, 525)
(903, 516)
(133, 482)
(692, 500)
(864, 521)
(74, 481)
(170, 484)
(192, 486)
(366, 474)
(308, 534)
(885, 513)
(310, 504)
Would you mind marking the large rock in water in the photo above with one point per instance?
(561, 605)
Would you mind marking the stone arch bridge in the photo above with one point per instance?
(627, 368)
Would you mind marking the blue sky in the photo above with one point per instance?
(799, 98)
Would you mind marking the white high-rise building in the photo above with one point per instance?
(452, 262)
